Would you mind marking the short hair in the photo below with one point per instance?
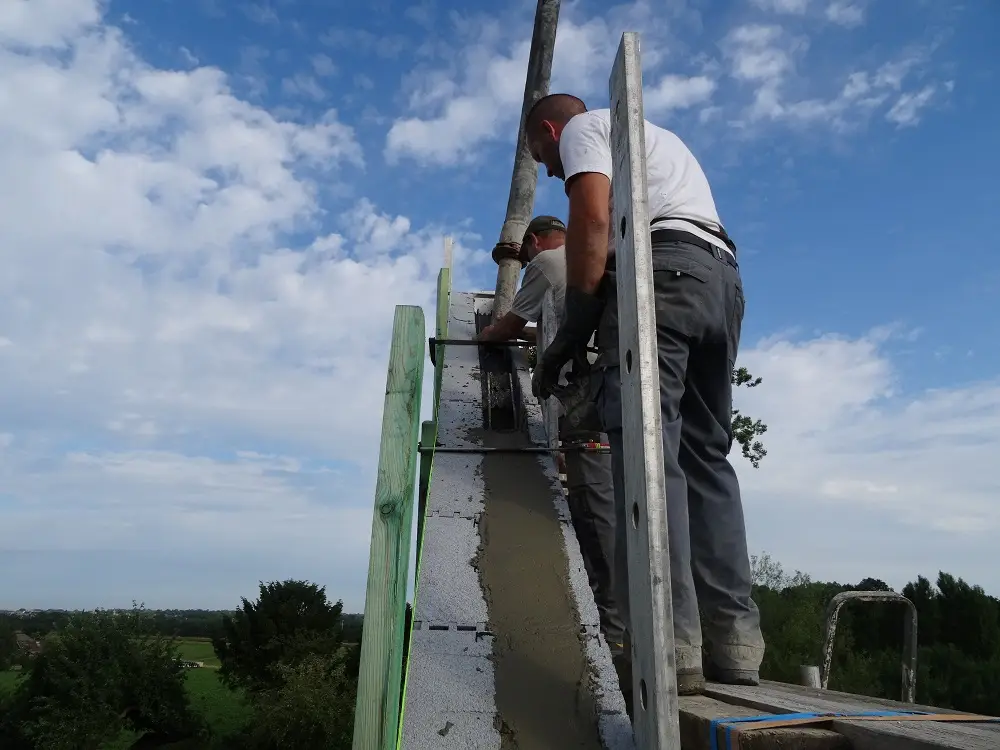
(556, 107)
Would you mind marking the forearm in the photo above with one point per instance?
(508, 327)
(586, 244)
(586, 255)
(529, 333)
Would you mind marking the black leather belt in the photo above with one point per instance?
(679, 235)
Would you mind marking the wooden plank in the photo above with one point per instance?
(377, 711)
(654, 677)
(550, 407)
(698, 711)
(865, 735)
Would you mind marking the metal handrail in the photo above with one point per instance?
(909, 665)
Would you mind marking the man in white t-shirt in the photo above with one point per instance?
(588, 475)
(699, 313)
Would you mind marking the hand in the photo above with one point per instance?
(545, 378)
(580, 320)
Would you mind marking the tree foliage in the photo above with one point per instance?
(958, 661)
(747, 430)
(101, 673)
(312, 705)
(287, 651)
(290, 620)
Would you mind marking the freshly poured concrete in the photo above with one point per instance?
(506, 651)
(539, 657)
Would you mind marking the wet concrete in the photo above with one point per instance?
(541, 668)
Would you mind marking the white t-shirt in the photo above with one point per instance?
(675, 183)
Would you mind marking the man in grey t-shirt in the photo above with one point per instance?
(588, 475)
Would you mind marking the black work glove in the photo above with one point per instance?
(580, 319)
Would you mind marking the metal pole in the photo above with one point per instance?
(525, 176)
(809, 676)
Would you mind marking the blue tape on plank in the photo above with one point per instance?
(727, 724)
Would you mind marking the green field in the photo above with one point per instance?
(224, 710)
(198, 649)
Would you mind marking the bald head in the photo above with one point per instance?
(543, 127)
(556, 108)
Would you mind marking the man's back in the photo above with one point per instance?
(676, 185)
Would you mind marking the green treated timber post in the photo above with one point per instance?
(376, 716)
(428, 436)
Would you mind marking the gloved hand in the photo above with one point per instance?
(580, 319)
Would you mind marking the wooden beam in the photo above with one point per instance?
(376, 717)
(864, 735)
(654, 677)
(698, 711)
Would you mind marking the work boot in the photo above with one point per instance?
(690, 674)
(734, 664)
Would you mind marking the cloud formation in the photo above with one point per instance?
(193, 345)
(198, 293)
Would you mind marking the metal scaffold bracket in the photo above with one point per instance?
(654, 677)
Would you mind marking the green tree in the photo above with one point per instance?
(100, 674)
(747, 430)
(312, 706)
(8, 644)
(290, 620)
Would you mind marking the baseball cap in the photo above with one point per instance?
(538, 225)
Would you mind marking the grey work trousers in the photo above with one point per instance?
(592, 510)
(699, 315)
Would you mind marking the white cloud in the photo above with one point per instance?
(796, 7)
(677, 92)
(845, 13)
(179, 373)
(877, 472)
(479, 96)
(767, 59)
(906, 111)
(323, 65)
(303, 84)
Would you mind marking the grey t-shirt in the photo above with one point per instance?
(548, 269)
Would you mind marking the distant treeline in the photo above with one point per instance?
(958, 661)
(179, 623)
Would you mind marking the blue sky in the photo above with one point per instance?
(208, 210)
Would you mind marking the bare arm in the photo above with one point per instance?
(505, 329)
(530, 333)
(587, 230)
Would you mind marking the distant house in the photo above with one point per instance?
(28, 644)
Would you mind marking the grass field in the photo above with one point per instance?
(224, 710)
(198, 649)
